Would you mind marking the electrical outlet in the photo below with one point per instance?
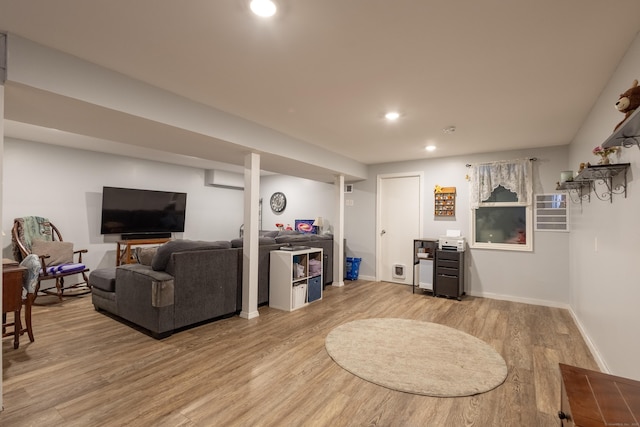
(348, 202)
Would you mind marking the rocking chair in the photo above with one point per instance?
(37, 235)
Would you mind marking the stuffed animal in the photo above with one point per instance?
(628, 102)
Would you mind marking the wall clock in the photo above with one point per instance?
(278, 202)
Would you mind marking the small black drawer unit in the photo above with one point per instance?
(449, 274)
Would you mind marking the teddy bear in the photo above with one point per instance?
(628, 102)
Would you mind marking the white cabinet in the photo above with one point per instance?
(295, 278)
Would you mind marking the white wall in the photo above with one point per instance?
(605, 250)
(540, 277)
(65, 185)
(306, 199)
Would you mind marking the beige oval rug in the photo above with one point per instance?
(416, 357)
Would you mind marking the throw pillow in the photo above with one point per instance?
(59, 252)
(144, 256)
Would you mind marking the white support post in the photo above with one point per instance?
(2, 238)
(338, 234)
(250, 237)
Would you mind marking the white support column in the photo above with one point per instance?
(338, 234)
(2, 238)
(250, 238)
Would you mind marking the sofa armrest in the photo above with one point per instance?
(146, 297)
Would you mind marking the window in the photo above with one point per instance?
(501, 208)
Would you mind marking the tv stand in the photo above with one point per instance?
(124, 254)
(145, 236)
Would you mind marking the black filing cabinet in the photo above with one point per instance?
(449, 274)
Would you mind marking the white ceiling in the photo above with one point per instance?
(508, 74)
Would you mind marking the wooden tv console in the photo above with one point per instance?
(124, 254)
(593, 399)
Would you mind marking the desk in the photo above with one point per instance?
(123, 252)
(12, 300)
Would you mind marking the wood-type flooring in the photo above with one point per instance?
(87, 369)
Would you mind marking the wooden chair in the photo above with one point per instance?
(37, 235)
(12, 280)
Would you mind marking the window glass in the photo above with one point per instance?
(500, 222)
(501, 194)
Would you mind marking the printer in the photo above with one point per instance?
(451, 243)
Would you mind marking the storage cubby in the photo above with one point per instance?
(424, 252)
(295, 278)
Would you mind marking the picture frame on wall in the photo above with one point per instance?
(305, 226)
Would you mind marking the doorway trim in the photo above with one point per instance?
(378, 230)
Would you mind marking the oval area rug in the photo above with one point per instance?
(416, 357)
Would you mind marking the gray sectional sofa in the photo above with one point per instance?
(188, 282)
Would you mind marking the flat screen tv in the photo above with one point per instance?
(135, 211)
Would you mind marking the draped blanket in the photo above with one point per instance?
(31, 228)
(32, 264)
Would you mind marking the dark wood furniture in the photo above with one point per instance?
(124, 255)
(449, 274)
(594, 399)
(12, 277)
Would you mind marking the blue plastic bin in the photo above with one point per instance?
(353, 268)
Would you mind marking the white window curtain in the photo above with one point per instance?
(514, 175)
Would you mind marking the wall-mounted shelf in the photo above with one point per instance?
(627, 134)
(576, 190)
(445, 201)
(604, 175)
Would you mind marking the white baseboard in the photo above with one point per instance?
(594, 350)
(533, 301)
(249, 315)
(546, 303)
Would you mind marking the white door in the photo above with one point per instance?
(399, 222)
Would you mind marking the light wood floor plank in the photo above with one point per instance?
(88, 369)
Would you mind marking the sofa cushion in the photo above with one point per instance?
(104, 279)
(288, 233)
(293, 238)
(270, 233)
(321, 237)
(238, 243)
(59, 252)
(162, 256)
(144, 255)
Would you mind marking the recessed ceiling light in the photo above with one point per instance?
(392, 115)
(264, 8)
(430, 148)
